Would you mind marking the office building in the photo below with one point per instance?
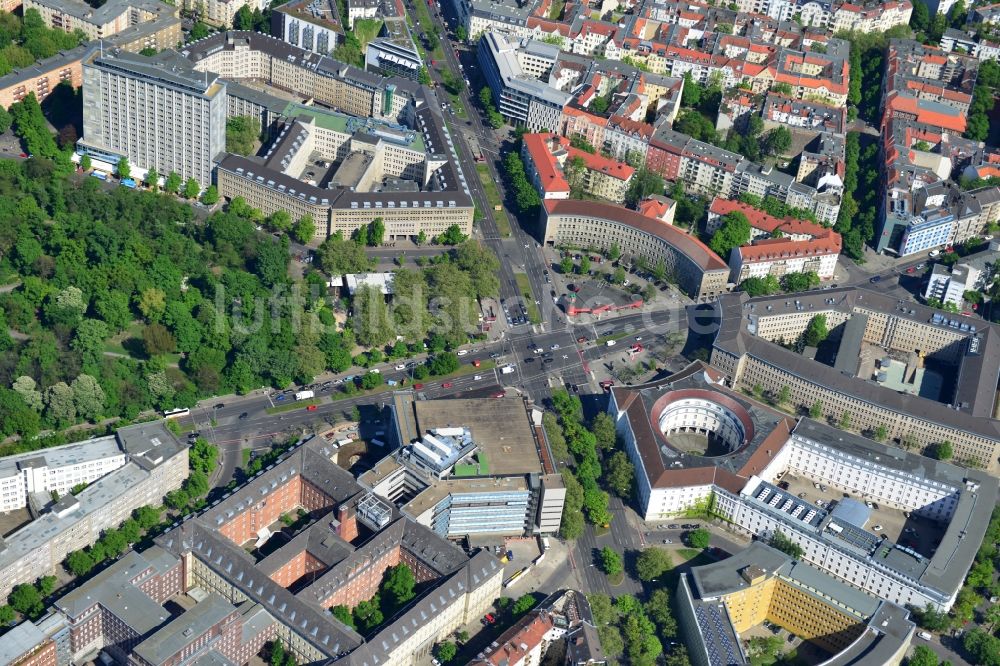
(158, 112)
(954, 401)
(156, 464)
(314, 25)
(489, 474)
(696, 443)
(720, 603)
(56, 470)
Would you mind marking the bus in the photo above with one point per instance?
(176, 413)
(99, 175)
(128, 182)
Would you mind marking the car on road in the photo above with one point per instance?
(691, 526)
(447, 385)
(910, 269)
(582, 338)
(311, 408)
(554, 347)
(476, 378)
(489, 618)
(673, 527)
(666, 541)
(538, 350)
(875, 279)
(476, 363)
(495, 355)
(461, 352)
(401, 366)
(279, 397)
(194, 435)
(244, 415)
(220, 405)
(418, 386)
(547, 360)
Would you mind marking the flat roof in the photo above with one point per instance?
(501, 427)
(20, 640)
(91, 450)
(430, 496)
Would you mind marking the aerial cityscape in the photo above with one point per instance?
(499, 333)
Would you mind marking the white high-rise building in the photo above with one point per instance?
(157, 111)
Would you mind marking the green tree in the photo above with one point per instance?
(424, 77)
(922, 655)
(619, 473)
(242, 133)
(603, 428)
(85, 162)
(942, 450)
(399, 585)
(644, 183)
(699, 538)
(88, 397)
(16, 417)
(781, 542)
(60, 408)
(611, 562)
(79, 563)
(816, 411)
(764, 648)
(816, 331)
(658, 610)
(445, 651)
(376, 232)
(920, 18)
(304, 230)
(343, 613)
(26, 600)
(461, 34)
(153, 179)
(734, 232)
(173, 183)
(7, 615)
(653, 563)
(566, 265)
(618, 277)
(336, 255)
(368, 615)
(880, 434)
(146, 516)
(211, 195)
(523, 604)
(191, 189)
(778, 140)
(124, 170)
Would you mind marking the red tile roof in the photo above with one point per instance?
(761, 220)
(772, 249)
(688, 245)
(550, 175)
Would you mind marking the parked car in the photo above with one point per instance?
(447, 385)
(311, 408)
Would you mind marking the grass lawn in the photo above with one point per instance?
(366, 30)
(616, 580)
(116, 343)
(493, 198)
(534, 316)
(424, 18)
(688, 553)
(295, 404)
(614, 336)
(246, 457)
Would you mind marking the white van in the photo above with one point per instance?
(611, 343)
(924, 635)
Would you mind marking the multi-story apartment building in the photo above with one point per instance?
(803, 115)
(221, 12)
(719, 602)
(361, 9)
(42, 77)
(695, 268)
(308, 24)
(745, 350)
(749, 447)
(158, 112)
(156, 464)
(555, 168)
(56, 470)
(112, 18)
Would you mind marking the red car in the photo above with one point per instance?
(501, 394)
(477, 363)
(582, 338)
(490, 619)
(447, 385)
(418, 386)
(311, 408)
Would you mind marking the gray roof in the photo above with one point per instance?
(149, 444)
(115, 590)
(62, 456)
(738, 312)
(19, 641)
(168, 68)
(107, 12)
(187, 628)
(946, 569)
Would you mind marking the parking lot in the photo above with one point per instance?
(918, 533)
